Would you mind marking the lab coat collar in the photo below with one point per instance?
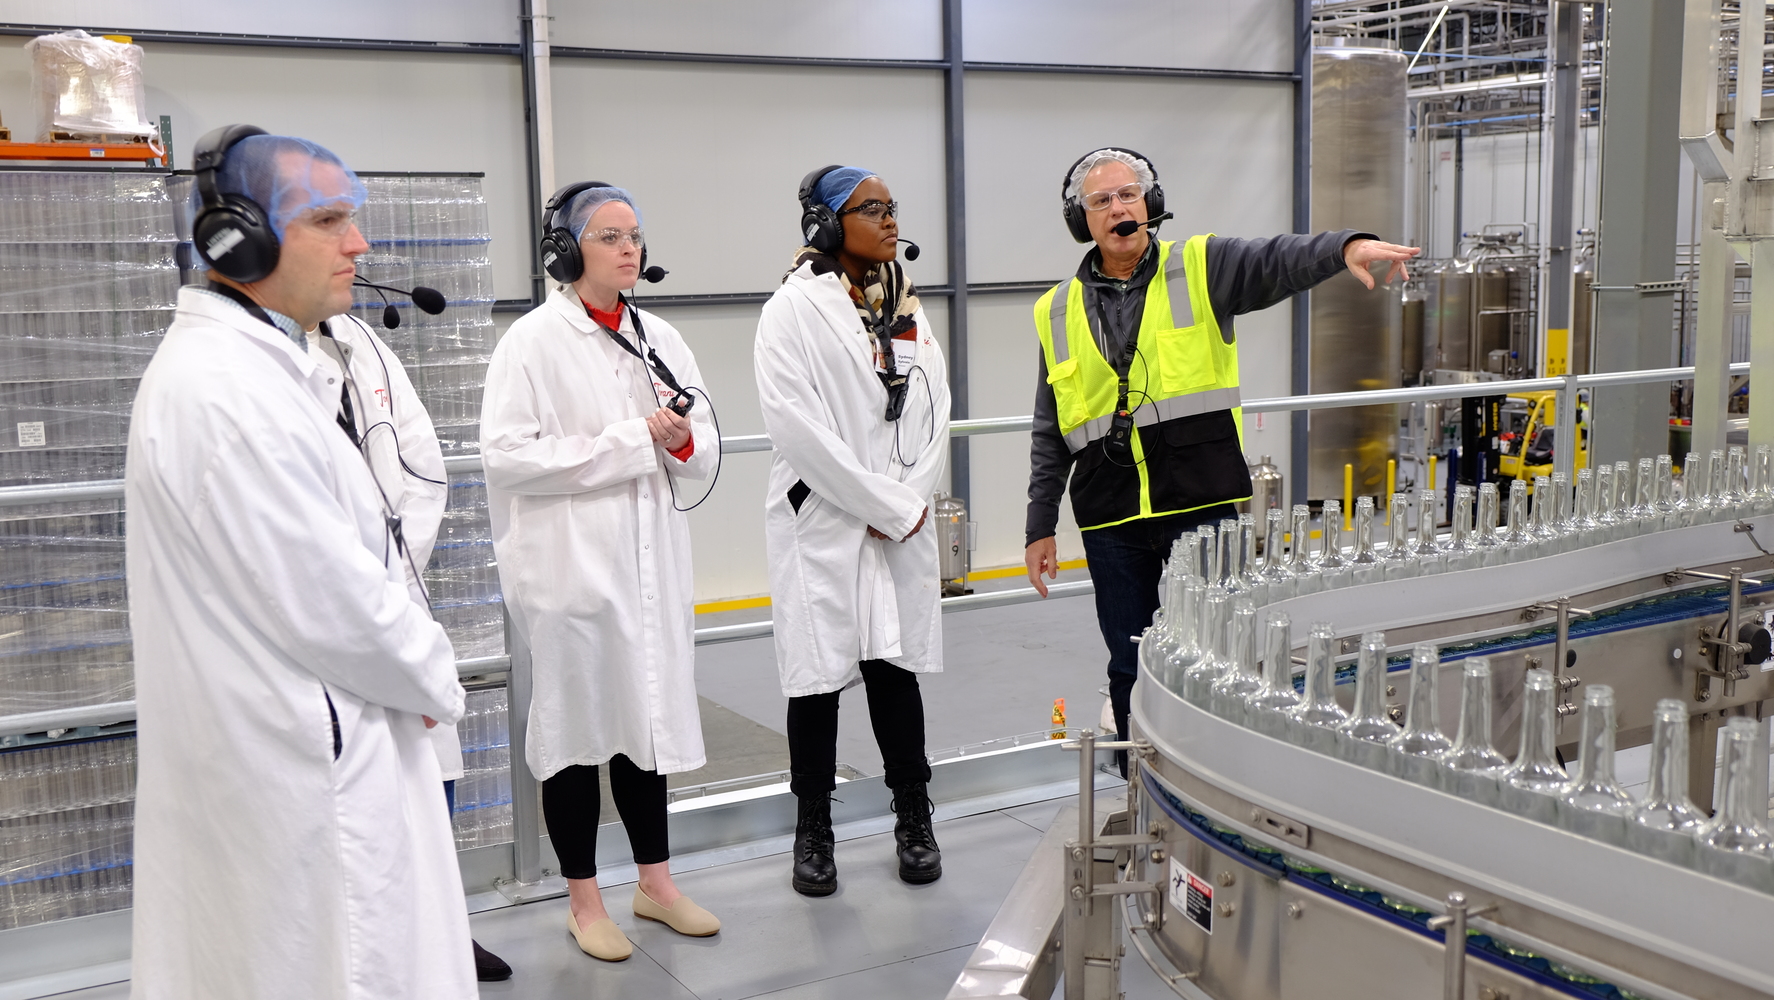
(826, 294)
(567, 304)
(202, 307)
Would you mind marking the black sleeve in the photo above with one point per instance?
(1246, 275)
(1050, 461)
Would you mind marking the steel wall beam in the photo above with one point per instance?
(955, 188)
(1640, 178)
(1567, 65)
(1299, 465)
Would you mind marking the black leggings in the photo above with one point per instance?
(571, 803)
(896, 711)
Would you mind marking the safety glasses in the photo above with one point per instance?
(874, 211)
(1126, 194)
(614, 238)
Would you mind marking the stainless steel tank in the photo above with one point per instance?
(954, 539)
(1358, 182)
(1416, 307)
(1267, 490)
(1448, 327)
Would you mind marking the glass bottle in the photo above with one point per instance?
(1364, 738)
(1621, 509)
(1210, 553)
(1159, 640)
(1416, 751)
(1275, 571)
(1532, 784)
(1665, 501)
(1644, 498)
(1594, 804)
(1761, 481)
(1364, 562)
(1216, 654)
(1460, 553)
(1564, 517)
(1664, 823)
(1185, 552)
(1315, 720)
(1230, 573)
(1543, 525)
(1186, 651)
(1601, 510)
(1249, 572)
(1696, 481)
(1736, 492)
(1333, 568)
(1735, 844)
(1487, 541)
(1299, 561)
(1472, 766)
(1267, 707)
(1239, 678)
(1400, 563)
(1583, 525)
(1518, 537)
(1426, 550)
(1720, 494)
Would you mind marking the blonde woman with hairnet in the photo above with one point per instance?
(855, 397)
(585, 438)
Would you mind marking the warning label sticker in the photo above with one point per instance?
(30, 434)
(1191, 896)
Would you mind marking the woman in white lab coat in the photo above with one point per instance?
(854, 391)
(584, 459)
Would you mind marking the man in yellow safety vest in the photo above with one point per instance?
(1137, 399)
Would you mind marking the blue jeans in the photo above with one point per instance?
(1126, 561)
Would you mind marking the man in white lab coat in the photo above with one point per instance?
(291, 841)
(854, 391)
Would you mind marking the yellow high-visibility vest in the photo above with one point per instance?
(1184, 366)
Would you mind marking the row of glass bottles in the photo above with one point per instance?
(483, 793)
(61, 777)
(1213, 662)
(1607, 505)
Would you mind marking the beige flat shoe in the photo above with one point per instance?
(603, 939)
(683, 916)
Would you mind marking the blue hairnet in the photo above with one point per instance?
(579, 209)
(836, 187)
(287, 176)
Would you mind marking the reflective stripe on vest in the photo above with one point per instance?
(1183, 368)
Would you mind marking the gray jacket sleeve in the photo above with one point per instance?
(1050, 461)
(1247, 275)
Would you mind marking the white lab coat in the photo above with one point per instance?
(266, 602)
(401, 447)
(838, 595)
(593, 559)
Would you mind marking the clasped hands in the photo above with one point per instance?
(915, 528)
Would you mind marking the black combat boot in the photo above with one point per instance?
(920, 860)
(816, 871)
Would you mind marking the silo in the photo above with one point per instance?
(1358, 146)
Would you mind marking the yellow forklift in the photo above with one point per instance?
(1525, 435)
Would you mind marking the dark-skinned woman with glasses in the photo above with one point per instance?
(584, 452)
(854, 393)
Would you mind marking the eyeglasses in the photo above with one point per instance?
(614, 238)
(872, 211)
(1127, 194)
(329, 220)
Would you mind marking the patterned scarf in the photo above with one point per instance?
(883, 285)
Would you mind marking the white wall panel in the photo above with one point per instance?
(377, 110)
(1224, 153)
(847, 29)
(714, 154)
(405, 20)
(1197, 34)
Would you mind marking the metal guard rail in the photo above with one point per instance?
(123, 711)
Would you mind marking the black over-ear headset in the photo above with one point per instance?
(232, 233)
(561, 256)
(822, 228)
(1074, 206)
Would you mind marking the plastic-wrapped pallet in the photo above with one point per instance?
(88, 282)
(483, 793)
(87, 85)
(67, 813)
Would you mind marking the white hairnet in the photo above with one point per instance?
(579, 209)
(287, 176)
(1075, 183)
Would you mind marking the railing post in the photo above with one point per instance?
(526, 827)
(1564, 434)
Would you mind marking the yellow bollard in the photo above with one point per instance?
(1391, 486)
(1348, 497)
(1431, 473)
(1059, 719)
